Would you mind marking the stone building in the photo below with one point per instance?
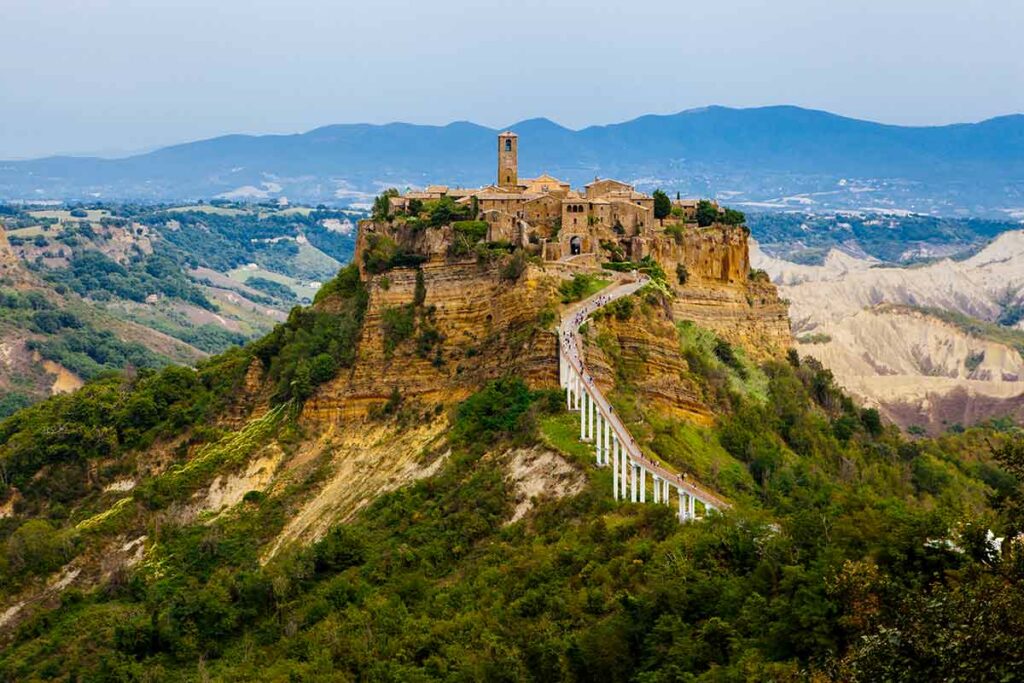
(548, 211)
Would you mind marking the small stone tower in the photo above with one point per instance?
(508, 159)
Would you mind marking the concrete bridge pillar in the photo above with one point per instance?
(583, 418)
(655, 489)
(598, 445)
(615, 467)
(568, 392)
(693, 509)
(590, 418)
(622, 469)
(605, 440)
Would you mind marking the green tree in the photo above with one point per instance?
(707, 213)
(382, 204)
(662, 205)
(734, 217)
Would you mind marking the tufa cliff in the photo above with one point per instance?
(435, 331)
(709, 270)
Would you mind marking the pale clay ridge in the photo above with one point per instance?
(600, 425)
(892, 356)
(977, 286)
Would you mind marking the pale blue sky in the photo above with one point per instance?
(118, 75)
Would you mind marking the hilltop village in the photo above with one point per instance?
(546, 212)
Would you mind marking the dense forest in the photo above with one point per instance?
(851, 553)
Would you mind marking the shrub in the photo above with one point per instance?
(36, 548)
(514, 267)
(495, 412)
(420, 292)
(577, 288)
(379, 252)
(615, 251)
(676, 231)
(974, 361)
(622, 308)
(725, 353)
(382, 254)
(13, 401)
(296, 352)
(466, 235)
(398, 324)
(445, 210)
(428, 338)
(341, 548)
(733, 217)
(682, 274)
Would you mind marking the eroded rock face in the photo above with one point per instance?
(874, 327)
(539, 474)
(718, 292)
(649, 352)
(488, 326)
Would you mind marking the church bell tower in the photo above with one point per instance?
(508, 159)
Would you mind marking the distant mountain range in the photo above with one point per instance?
(772, 156)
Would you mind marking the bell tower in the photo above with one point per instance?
(508, 159)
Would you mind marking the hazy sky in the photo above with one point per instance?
(121, 75)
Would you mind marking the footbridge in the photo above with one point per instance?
(601, 426)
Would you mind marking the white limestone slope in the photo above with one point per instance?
(979, 286)
(908, 362)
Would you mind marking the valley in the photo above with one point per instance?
(89, 290)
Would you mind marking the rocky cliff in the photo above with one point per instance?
(709, 269)
(471, 326)
(645, 356)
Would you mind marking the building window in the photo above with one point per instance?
(508, 145)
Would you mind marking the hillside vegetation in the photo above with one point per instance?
(88, 290)
(850, 554)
